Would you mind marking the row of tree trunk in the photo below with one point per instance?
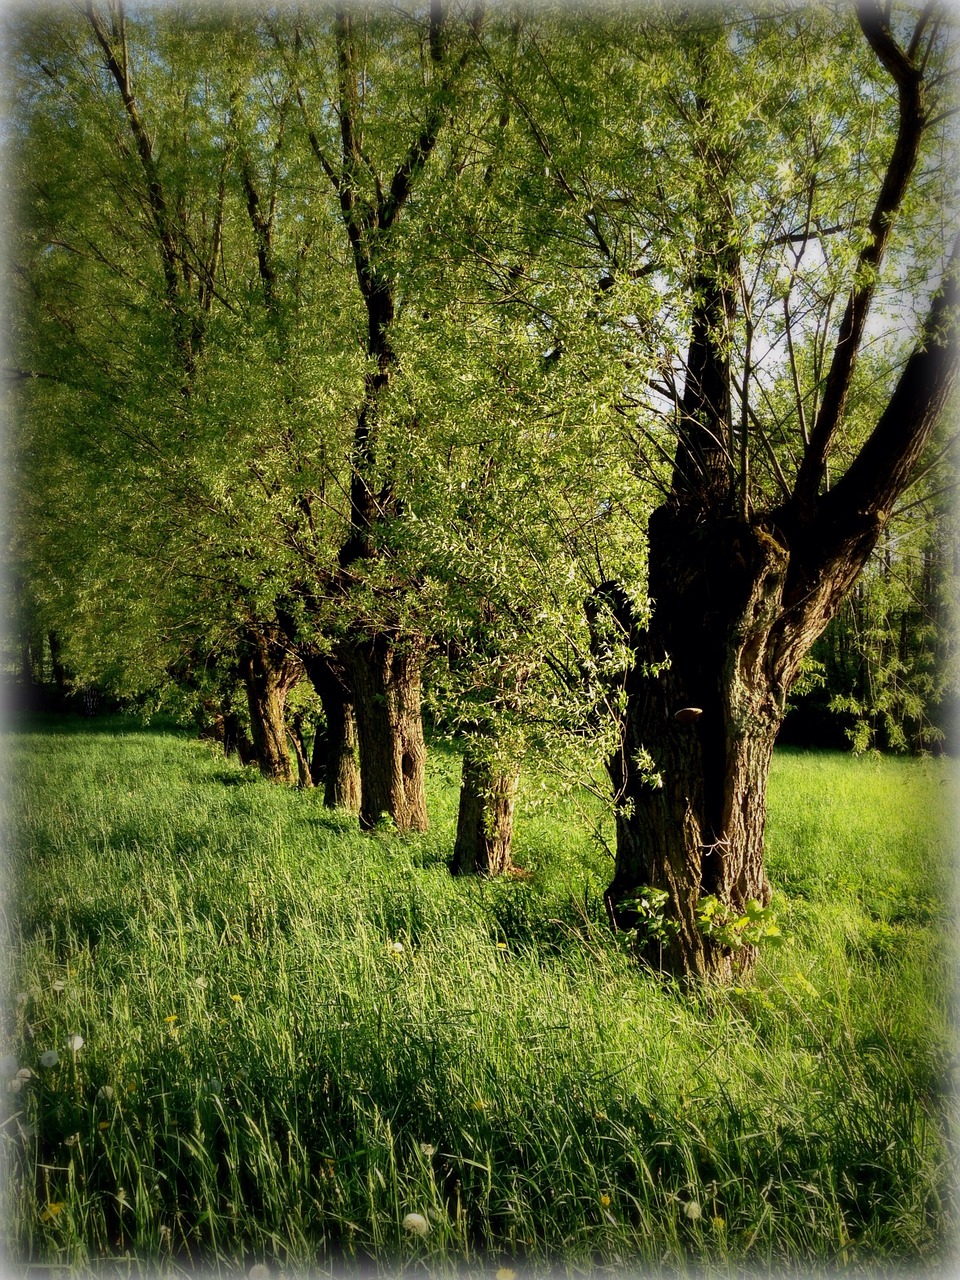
(368, 753)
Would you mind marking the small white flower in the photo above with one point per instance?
(692, 1210)
(416, 1223)
(74, 1042)
(50, 1058)
(9, 1066)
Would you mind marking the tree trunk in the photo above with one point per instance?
(268, 674)
(236, 740)
(697, 736)
(335, 753)
(386, 684)
(485, 820)
(295, 732)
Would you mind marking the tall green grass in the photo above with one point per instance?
(294, 1036)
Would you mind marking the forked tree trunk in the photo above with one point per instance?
(387, 692)
(335, 758)
(737, 599)
(488, 793)
(269, 672)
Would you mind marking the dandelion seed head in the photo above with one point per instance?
(105, 1092)
(74, 1042)
(396, 947)
(692, 1210)
(416, 1223)
(58, 986)
(50, 1058)
(428, 1148)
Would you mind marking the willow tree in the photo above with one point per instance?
(375, 93)
(819, 303)
(171, 363)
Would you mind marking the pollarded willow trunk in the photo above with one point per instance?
(335, 757)
(488, 791)
(387, 691)
(269, 672)
(704, 702)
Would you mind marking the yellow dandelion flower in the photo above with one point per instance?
(51, 1211)
(718, 1224)
(104, 1124)
(171, 1018)
(237, 999)
(605, 1200)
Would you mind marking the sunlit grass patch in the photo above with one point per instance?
(280, 1044)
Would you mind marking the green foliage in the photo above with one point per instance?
(652, 924)
(201, 345)
(722, 924)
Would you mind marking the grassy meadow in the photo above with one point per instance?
(294, 1036)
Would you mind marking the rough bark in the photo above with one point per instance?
(386, 682)
(269, 671)
(485, 818)
(697, 737)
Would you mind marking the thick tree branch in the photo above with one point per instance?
(883, 468)
(912, 123)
